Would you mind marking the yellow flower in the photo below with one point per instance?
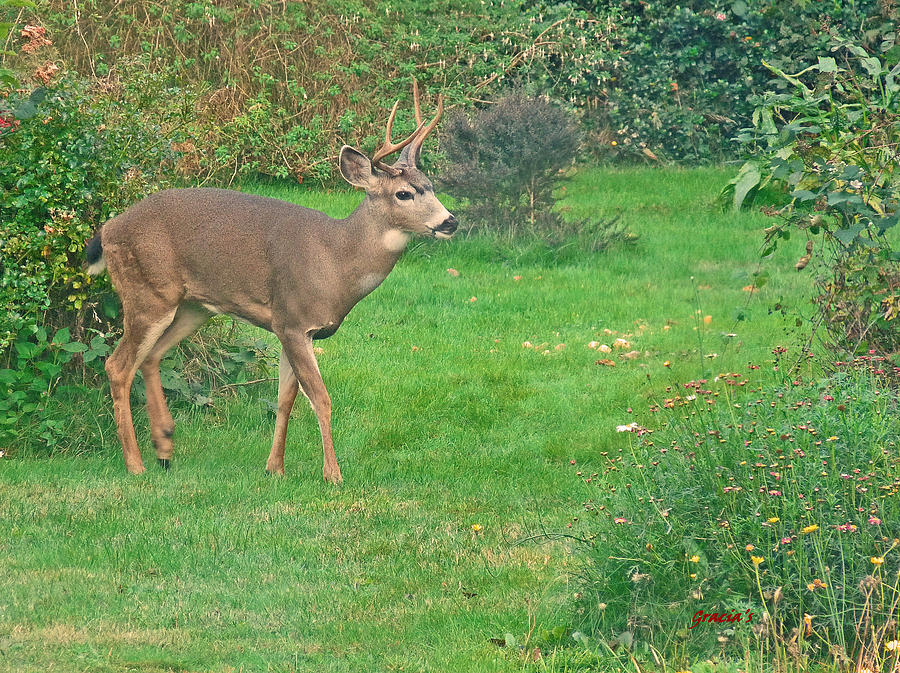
(833, 438)
(773, 519)
(892, 645)
(877, 560)
(477, 527)
(695, 559)
(811, 529)
(693, 576)
(757, 559)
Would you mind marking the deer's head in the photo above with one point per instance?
(400, 193)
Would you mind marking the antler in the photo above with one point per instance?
(390, 147)
(410, 155)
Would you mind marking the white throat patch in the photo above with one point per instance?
(395, 240)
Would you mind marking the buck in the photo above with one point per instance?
(182, 255)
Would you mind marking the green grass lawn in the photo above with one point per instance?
(442, 420)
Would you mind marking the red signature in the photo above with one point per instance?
(720, 617)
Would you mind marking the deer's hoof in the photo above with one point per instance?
(164, 463)
(333, 478)
(136, 469)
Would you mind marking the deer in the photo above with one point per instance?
(180, 256)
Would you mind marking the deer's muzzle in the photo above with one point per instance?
(446, 228)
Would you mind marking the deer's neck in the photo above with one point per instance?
(376, 247)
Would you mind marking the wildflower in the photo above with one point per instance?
(720, 16)
(757, 560)
(695, 559)
(846, 527)
(477, 527)
(877, 560)
(620, 519)
(811, 529)
(785, 540)
(750, 547)
(453, 272)
(631, 427)
(816, 584)
(614, 143)
(517, 278)
(693, 576)
(892, 645)
(707, 319)
(833, 438)
(874, 520)
(773, 519)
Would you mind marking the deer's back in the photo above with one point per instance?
(212, 246)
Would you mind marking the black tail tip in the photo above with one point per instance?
(164, 463)
(93, 251)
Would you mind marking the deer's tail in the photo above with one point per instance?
(93, 251)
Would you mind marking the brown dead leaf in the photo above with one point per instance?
(453, 272)
(630, 355)
(606, 362)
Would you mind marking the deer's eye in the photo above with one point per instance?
(403, 195)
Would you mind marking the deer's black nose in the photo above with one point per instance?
(448, 226)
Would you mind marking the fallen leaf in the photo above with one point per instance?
(473, 299)
(631, 355)
(603, 348)
(748, 288)
(707, 319)
(621, 343)
(559, 347)
(517, 278)
(594, 344)
(453, 272)
(605, 362)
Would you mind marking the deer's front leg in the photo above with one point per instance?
(287, 393)
(299, 349)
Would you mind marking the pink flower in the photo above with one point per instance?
(620, 519)
(874, 520)
(720, 16)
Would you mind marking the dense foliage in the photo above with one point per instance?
(833, 140)
(683, 72)
(281, 85)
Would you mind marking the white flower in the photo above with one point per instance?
(631, 427)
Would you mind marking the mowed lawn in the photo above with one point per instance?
(443, 420)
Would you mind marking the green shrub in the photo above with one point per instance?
(779, 499)
(316, 77)
(681, 73)
(832, 142)
(73, 158)
(503, 165)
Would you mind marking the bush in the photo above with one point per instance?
(680, 74)
(504, 163)
(317, 77)
(777, 499)
(832, 141)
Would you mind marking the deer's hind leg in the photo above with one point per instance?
(143, 329)
(187, 319)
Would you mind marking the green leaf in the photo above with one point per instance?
(747, 179)
(74, 347)
(827, 64)
(872, 66)
(62, 336)
(739, 8)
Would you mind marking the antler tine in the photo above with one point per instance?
(390, 147)
(410, 155)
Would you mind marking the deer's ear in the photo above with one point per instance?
(356, 167)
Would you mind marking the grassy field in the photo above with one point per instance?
(443, 421)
